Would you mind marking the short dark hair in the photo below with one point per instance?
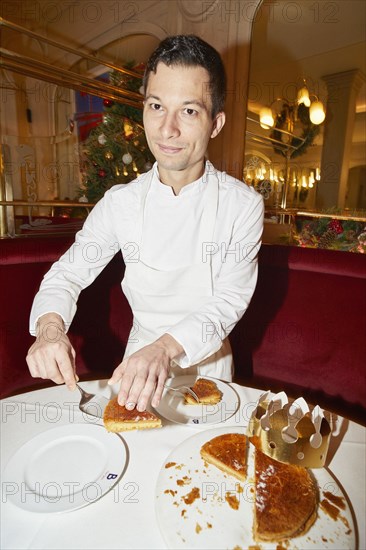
(192, 51)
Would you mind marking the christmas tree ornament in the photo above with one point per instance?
(127, 158)
(148, 166)
(107, 102)
(83, 198)
(134, 167)
(109, 155)
(128, 129)
(102, 139)
(125, 172)
(102, 173)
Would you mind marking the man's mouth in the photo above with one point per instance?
(169, 149)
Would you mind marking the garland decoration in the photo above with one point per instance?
(347, 235)
(309, 132)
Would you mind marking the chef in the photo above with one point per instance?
(189, 236)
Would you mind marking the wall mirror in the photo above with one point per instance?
(44, 124)
(296, 45)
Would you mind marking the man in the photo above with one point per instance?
(189, 236)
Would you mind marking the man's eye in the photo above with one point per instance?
(155, 106)
(189, 111)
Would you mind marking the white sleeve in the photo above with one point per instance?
(201, 333)
(94, 246)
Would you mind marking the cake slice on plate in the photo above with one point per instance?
(119, 419)
(207, 392)
(228, 452)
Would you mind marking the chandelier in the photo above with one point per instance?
(293, 127)
(267, 115)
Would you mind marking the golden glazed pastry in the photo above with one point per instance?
(286, 499)
(118, 419)
(228, 452)
(207, 392)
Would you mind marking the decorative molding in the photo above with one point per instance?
(185, 7)
(345, 80)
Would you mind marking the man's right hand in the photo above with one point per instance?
(52, 355)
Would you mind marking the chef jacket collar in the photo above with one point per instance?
(193, 188)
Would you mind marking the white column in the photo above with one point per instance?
(339, 123)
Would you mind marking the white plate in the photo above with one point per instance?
(210, 523)
(172, 406)
(64, 468)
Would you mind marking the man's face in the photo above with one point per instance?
(178, 122)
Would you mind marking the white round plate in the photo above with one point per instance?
(172, 405)
(65, 468)
(209, 522)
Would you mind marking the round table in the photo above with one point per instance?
(124, 517)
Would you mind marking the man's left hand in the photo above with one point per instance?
(144, 372)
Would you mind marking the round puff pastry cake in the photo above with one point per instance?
(286, 495)
(286, 499)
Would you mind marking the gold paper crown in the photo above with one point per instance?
(290, 432)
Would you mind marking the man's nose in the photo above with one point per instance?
(169, 126)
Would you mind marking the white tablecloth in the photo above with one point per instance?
(124, 517)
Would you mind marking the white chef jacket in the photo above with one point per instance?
(171, 225)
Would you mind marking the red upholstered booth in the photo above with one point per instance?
(304, 331)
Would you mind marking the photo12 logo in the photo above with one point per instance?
(70, 12)
(231, 492)
(70, 492)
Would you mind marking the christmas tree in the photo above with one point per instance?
(116, 150)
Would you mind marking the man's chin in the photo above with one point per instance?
(173, 165)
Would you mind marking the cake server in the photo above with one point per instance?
(92, 404)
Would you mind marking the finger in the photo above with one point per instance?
(42, 367)
(159, 390)
(136, 389)
(124, 390)
(54, 374)
(66, 368)
(49, 369)
(117, 374)
(32, 367)
(146, 393)
(37, 362)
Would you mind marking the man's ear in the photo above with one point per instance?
(218, 124)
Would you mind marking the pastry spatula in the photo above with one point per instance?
(92, 404)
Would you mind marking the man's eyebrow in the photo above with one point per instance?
(187, 102)
(150, 96)
(195, 102)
